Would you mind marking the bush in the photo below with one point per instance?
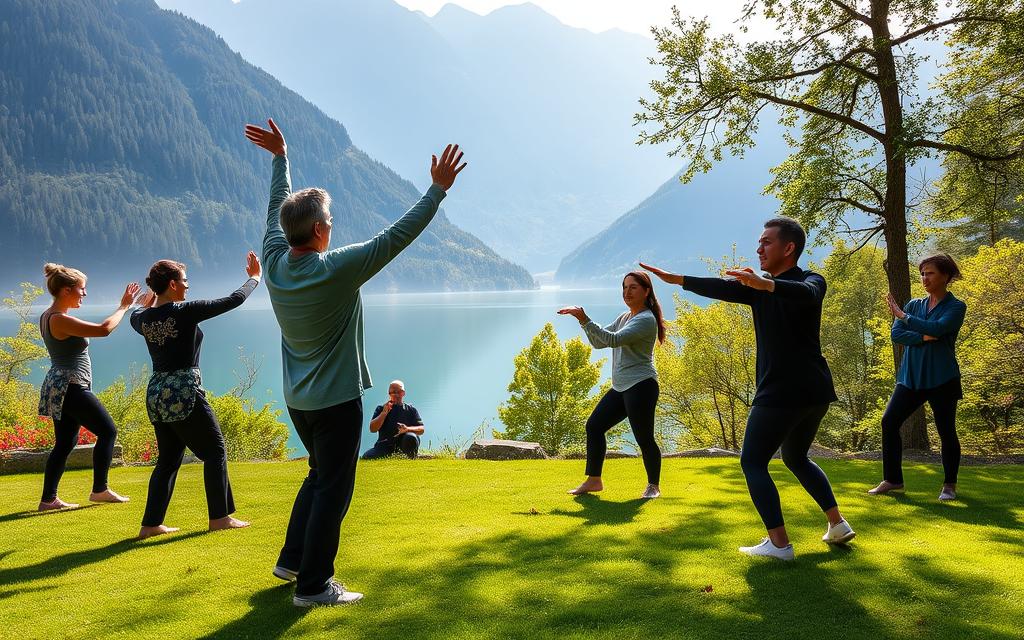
(250, 433)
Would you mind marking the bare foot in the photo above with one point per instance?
(107, 496)
(652, 491)
(227, 522)
(885, 487)
(158, 530)
(592, 484)
(55, 504)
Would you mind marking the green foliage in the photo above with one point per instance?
(991, 349)
(125, 399)
(980, 201)
(551, 392)
(19, 351)
(250, 433)
(706, 372)
(855, 341)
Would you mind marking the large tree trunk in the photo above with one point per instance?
(914, 430)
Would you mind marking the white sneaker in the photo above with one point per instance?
(839, 533)
(335, 594)
(947, 494)
(652, 491)
(768, 548)
(285, 574)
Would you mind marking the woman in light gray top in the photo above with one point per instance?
(66, 395)
(634, 392)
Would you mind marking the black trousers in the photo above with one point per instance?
(904, 402)
(200, 433)
(407, 443)
(81, 409)
(331, 436)
(793, 429)
(636, 403)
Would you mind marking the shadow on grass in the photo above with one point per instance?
(271, 616)
(598, 511)
(21, 515)
(61, 564)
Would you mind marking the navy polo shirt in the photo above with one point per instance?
(404, 413)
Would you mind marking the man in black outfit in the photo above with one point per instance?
(398, 426)
(794, 384)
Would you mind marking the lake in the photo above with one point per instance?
(454, 351)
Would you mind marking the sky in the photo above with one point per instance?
(635, 16)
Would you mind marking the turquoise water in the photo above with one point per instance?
(454, 351)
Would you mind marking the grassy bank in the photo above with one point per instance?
(486, 550)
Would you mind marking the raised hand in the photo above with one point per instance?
(667, 276)
(748, 277)
(128, 297)
(576, 312)
(894, 307)
(443, 171)
(146, 300)
(272, 141)
(252, 265)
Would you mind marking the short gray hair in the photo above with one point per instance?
(300, 211)
(398, 382)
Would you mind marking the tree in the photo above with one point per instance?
(855, 323)
(982, 201)
(19, 351)
(839, 72)
(707, 373)
(991, 349)
(551, 392)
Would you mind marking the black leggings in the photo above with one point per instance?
(636, 403)
(200, 433)
(81, 409)
(793, 429)
(904, 402)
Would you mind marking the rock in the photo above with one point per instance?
(505, 450)
(710, 452)
(27, 461)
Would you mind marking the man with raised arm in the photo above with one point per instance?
(315, 295)
(794, 384)
(397, 424)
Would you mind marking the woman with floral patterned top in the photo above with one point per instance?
(175, 399)
(66, 394)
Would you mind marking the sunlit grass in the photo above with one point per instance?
(474, 549)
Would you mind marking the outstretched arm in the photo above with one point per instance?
(811, 289)
(63, 326)
(199, 310)
(360, 262)
(274, 242)
(717, 288)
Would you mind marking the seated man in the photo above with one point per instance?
(398, 425)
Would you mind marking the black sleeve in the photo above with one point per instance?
(136, 319)
(812, 289)
(720, 289)
(376, 412)
(198, 310)
(417, 421)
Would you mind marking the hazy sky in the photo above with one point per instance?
(635, 16)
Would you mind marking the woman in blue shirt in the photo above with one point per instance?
(927, 328)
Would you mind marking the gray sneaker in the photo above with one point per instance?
(285, 574)
(947, 494)
(332, 596)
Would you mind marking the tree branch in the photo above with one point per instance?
(841, 62)
(852, 12)
(825, 113)
(967, 151)
(944, 23)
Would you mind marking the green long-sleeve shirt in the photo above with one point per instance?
(317, 303)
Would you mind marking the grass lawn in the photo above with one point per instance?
(474, 549)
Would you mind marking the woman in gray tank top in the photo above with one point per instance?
(66, 395)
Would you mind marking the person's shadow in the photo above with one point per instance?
(598, 511)
(271, 615)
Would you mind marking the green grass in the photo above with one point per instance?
(474, 549)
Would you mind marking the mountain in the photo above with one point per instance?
(121, 142)
(544, 110)
(681, 225)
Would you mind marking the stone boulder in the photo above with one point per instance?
(710, 452)
(26, 461)
(505, 450)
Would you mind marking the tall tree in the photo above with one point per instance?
(840, 72)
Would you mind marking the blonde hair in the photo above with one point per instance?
(58, 276)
